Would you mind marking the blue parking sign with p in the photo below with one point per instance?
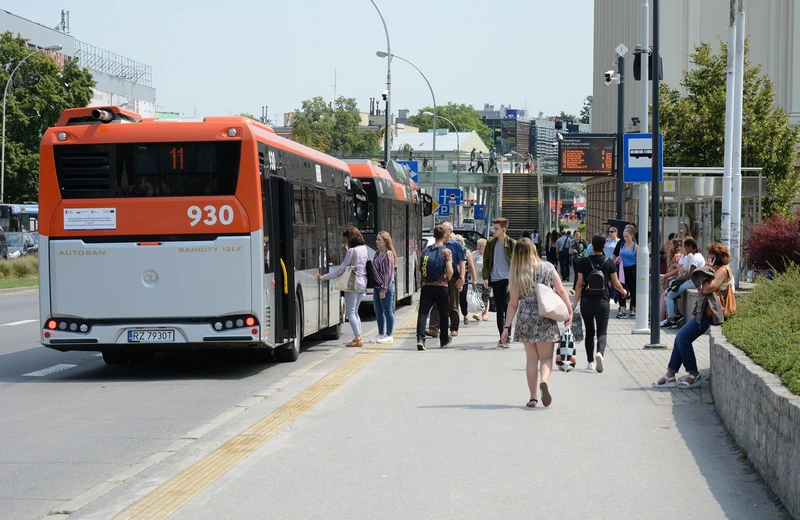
(444, 211)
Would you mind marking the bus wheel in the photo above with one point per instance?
(115, 358)
(334, 332)
(292, 352)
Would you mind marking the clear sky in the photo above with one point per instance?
(228, 57)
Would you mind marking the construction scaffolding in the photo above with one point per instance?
(107, 62)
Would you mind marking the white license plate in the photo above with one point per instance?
(151, 336)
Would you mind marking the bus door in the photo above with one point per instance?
(410, 289)
(322, 255)
(279, 204)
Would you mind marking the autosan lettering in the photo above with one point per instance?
(198, 249)
(81, 253)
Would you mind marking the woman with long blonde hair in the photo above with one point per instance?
(384, 264)
(538, 334)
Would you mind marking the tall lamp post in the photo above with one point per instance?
(387, 146)
(56, 47)
(381, 54)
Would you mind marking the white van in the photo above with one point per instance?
(468, 224)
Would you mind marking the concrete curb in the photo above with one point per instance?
(19, 290)
(761, 414)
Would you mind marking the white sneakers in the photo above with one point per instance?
(386, 339)
(590, 366)
(378, 338)
(598, 362)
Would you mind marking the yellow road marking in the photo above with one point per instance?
(170, 496)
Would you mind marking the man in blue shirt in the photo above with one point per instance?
(492, 160)
(455, 284)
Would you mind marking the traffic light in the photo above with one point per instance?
(637, 67)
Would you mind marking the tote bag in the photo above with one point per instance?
(550, 303)
(347, 282)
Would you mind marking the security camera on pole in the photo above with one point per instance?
(619, 79)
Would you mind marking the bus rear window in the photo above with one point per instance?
(181, 169)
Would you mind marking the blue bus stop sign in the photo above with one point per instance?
(479, 212)
(638, 154)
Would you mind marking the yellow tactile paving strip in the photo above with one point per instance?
(170, 496)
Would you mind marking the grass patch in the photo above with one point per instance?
(767, 326)
(22, 272)
(13, 283)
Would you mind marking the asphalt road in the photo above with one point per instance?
(70, 423)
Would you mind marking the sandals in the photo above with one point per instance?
(454, 333)
(485, 317)
(669, 382)
(466, 320)
(476, 317)
(546, 397)
(355, 343)
(695, 381)
(532, 403)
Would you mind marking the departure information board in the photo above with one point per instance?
(586, 156)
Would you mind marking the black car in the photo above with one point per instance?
(3, 246)
(470, 237)
(20, 244)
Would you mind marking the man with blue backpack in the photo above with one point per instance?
(435, 268)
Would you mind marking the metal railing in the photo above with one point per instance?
(101, 60)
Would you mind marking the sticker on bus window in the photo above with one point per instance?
(88, 219)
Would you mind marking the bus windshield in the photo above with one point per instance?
(183, 169)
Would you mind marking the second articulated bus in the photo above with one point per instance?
(164, 235)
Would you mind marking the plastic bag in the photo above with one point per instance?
(577, 325)
(474, 302)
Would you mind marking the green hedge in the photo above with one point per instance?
(766, 326)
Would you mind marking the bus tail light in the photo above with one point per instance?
(148, 243)
(52, 324)
(251, 321)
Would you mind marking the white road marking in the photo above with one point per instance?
(48, 371)
(22, 322)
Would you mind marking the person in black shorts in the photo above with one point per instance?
(592, 293)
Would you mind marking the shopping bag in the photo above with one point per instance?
(474, 303)
(566, 359)
(577, 325)
(347, 282)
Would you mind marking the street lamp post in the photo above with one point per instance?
(387, 145)
(381, 54)
(458, 155)
(56, 47)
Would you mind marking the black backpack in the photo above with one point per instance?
(596, 282)
(432, 263)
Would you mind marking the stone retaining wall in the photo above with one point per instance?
(761, 415)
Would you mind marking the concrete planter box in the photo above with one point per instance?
(761, 415)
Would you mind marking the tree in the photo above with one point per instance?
(694, 125)
(248, 115)
(465, 118)
(586, 110)
(333, 129)
(39, 93)
(565, 117)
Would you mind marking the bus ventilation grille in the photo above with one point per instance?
(85, 172)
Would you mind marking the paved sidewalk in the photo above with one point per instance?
(445, 434)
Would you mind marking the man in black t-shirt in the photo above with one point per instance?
(593, 296)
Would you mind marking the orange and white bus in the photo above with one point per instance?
(160, 235)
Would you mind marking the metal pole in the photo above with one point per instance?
(725, 227)
(643, 273)
(458, 156)
(620, 130)
(736, 198)
(655, 285)
(433, 96)
(388, 144)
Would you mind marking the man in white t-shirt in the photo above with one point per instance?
(691, 261)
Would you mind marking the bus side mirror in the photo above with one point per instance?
(361, 206)
(427, 204)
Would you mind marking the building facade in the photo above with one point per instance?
(120, 80)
